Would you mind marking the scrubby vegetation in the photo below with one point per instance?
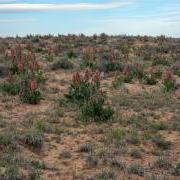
(99, 107)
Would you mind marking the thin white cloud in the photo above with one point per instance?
(7, 1)
(8, 8)
(11, 21)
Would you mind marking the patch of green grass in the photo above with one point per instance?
(62, 64)
(7, 139)
(136, 169)
(117, 83)
(117, 164)
(161, 142)
(175, 123)
(33, 138)
(162, 163)
(161, 62)
(86, 148)
(117, 135)
(10, 88)
(151, 101)
(135, 153)
(66, 154)
(107, 174)
(176, 170)
(92, 160)
(159, 126)
(95, 110)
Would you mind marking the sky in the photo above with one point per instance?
(114, 17)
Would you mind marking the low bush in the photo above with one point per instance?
(108, 66)
(89, 58)
(161, 143)
(163, 163)
(62, 64)
(106, 175)
(118, 82)
(160, 62)
(168, 81)
(95, 109)
(28, 79)
(136, 169)
(33, 138)
(71, 54)
(176, 170)
(84, 86)
(10, 88)
(85, 91)
(30, 93)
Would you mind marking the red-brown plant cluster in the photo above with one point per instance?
(22, 62)
(32, 85)
(167, 75)
(29, 75)
(88, 76)
(168, 80)
(126, 70)
(89, 54)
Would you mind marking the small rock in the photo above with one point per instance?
(176, 65)
(178, 83)
(177, 93)
(4, 70)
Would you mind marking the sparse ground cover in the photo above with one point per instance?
(89, 108)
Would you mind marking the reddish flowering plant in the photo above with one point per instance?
(126, 70)
(22, 62)
(168, 81)
(112, 55)
(167, 75)
(32, 85)
(89, 53)
(84, 85)
(29, 76)
(76, 79)
(87, 76)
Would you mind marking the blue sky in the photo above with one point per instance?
(131, 17)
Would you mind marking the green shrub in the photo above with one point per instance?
(117, 164)
(62, 64)
(106, 175)
(95, 110)
(10, 88)
(135, 153)
(12, 172)
(71, 54)
(83, 87)
(163, 163)
(86, 148)
(176, 170)
(30, 92)
(92, 160)
(169, 85)
(28, 77)
(110, 66)
(49, 57)
(88, 64)
(168, 81)
(161, 62)
(117, 135)
(32, 138)
(118, 82)
(89, 58)
(150, 79)
(136, 169)
(31, 97)
(7, 139)
(161, 143)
